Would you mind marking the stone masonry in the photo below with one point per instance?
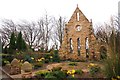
(79, 27)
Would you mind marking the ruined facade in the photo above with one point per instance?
(79, 41)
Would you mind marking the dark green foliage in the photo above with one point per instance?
(12, 45)
(94, 70)
(50, 76)
(46, 56)
(79, 71)
(27, 58)
(5, 58)
(20, 43)
(112, 64)
(72, 64)
(59, 74)
(5, 50)
(24, 47)
(56, 56)
(38, 65)
(41, 74)
(112, 67)
(55, 73)
(47, 60)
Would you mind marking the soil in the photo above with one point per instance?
(65, 66)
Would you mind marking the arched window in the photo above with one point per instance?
(78, 16)
(87, 47)
(78, 46)
(103, 52)
(71, 45)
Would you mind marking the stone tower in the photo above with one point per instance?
(79, 39)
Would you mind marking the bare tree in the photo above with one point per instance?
(109, 34)
(30, 32)
(59, 29)
(46, 26)
(8, 26)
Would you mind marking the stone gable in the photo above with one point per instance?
(76, 31)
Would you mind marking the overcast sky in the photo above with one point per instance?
(97, 10)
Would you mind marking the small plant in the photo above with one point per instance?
(55, 73)
(38, 65)
(72, 64)
(41, 74)
(50, 76)
(46, 60)
(93, 68)
(71, 73)
(79, 71)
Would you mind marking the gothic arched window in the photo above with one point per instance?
(71, 45)
(87, 47)
(78, 46)
(78, 16)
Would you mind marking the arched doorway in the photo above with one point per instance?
(103, 52)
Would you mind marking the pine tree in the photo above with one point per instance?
(19, 41)
(12, 45)
(20, 44)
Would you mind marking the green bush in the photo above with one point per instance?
(50, 76)
(27, 57)
(46, 56)
(47, 60)
(6, 58)
(93, 69)
(59, 74)
(112, 67)
(55, 73)
(72, 64)
(38, 65)
(79, 71)
(41, 74)
(56, 56)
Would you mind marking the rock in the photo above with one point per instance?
(15, 62)
(26, 67)
(15, 67)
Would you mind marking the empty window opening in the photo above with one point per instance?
(78, 16)
(87, 47)
(78, 46)
(71, 45)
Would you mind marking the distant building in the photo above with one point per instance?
(79, 40)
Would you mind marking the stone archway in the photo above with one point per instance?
(103, 52)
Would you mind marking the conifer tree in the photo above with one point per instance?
(12, 45)
(20, 44)
(19, 41)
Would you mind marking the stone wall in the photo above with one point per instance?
(86, 30)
